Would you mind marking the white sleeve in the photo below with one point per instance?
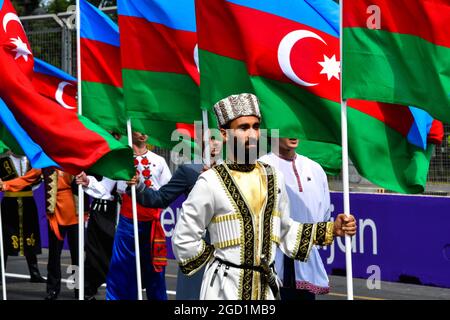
(99, 189)
(297, 239)
(121, 187)
(166, 175)
(190, 250)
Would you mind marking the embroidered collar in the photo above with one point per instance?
(287, 159)
(241, 167)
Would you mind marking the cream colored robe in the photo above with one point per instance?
(239, 235)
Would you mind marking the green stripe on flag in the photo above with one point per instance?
(384, 156)
(397, 68)
(103, 104)
(116, 164)
(161, 96)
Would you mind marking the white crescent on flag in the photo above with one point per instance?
(284, 54)
(10, 17)
(59, 95)
(21, 49)
(196, 57)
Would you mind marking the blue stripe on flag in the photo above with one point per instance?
(33, 151)
(420, 128)
(322, 15)
(46, 68)
(179, 15)
(95, 25)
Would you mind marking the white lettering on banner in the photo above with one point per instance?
(168, 221)
(363, 224)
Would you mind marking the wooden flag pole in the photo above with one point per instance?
(135, 223)
(80, 187)
(345, 176)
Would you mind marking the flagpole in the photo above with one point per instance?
(2, 257)
(345, 177)
(80, 187)
(135, 223)
(207, 153)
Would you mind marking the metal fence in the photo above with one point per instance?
(53, 39)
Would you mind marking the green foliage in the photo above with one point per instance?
(25, 7)
(57, 6)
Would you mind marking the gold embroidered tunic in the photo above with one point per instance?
(247, 217)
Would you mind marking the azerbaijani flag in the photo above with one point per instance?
(398, 52)
(160, 73)
(101, 86)
(55, 84)
(287, 53)
(50, 82)
(14, 138)
(73, 142)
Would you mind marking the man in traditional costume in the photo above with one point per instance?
(61, 215)
(245, 208)
(121, 281)
(309, 198)
(20, 220)
(100, 231)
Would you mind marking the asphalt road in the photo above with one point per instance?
(19, 287)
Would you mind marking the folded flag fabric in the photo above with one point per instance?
(287, 53)
(398, 52)
(73, 142)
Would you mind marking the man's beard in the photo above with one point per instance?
(243, 154)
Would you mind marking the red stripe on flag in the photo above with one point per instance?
(48, 86)
(154, 47)
(427, 19)
(254, 36)
(186, 127)
(100, 62)
(397, 117)
(436, 134)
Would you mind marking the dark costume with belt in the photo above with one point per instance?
(20, 221)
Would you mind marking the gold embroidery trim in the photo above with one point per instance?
(306, 240)
(227, 217)
(247, 222)
(193, 264)
(329, 237)
(227, 243)
(319, 238)
(20, 212)
(276, 213)
(18, 194)
(275, 239)
(31, 241)
(268, 218)
(324, 234)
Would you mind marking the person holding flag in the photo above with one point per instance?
(61, 216)
(244, 205)
(121, 279)
(19, 215)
